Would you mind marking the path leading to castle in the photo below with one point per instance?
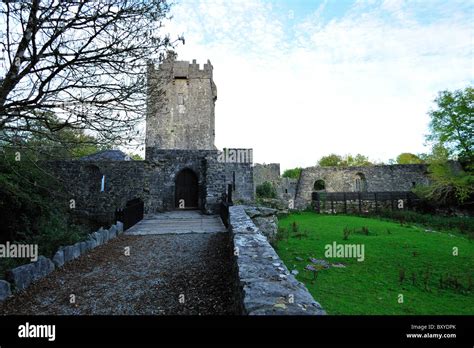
(179, 263)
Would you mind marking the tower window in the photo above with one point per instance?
(180, 99)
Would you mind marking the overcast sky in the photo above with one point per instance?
(300, 79)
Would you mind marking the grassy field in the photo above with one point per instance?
(398, 260)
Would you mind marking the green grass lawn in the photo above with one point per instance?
(373, 286)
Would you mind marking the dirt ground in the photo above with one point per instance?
(164, 275)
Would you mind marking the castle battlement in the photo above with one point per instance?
(182, 69)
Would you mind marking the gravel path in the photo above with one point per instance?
(160, 271)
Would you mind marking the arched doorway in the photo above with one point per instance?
(360, 183)
(186, 190)
(319, 185)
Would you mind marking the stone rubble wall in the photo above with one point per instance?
(265, 284)
(379, 178)
(243, 186)
(265, 172)
(19, 278)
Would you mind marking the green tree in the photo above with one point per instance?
(292, 173)
(452, 122)
(52, 141)
(331, 160)
(266, 190)
(356, 161)
(334, 160)
(135, 157)
(408, 158)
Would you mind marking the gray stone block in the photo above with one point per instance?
(112, 232)
(97, 236)
(5, 290)
(83, 247)
(119, 227)
(91, 244)
(58, 258)
(22, 276)
(71, 252)
(42, 268)
(105, 236)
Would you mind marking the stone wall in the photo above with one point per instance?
(265, 284)
(165, 166)
(81, 181)
(21, 277)
(240, 176)
(383, 178)
(152, 180)
(265, 172)
(180, 109)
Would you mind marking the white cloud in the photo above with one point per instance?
(295, 91)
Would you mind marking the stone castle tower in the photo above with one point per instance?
(180, 106)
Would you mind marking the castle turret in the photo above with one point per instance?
(180, 106)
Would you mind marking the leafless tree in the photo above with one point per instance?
(82, 61)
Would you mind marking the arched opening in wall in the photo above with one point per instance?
(360, 183)
(319, 185)
(186, 190)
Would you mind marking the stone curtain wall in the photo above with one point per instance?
(152, 180)
(166, 164)
(215, 184)
(243, 186)
(383, 178)
(124, 180)
(286, 188)
(265, 284)
(265, 172)
(183, 117)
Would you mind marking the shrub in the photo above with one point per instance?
(463, 225)
(266, 190)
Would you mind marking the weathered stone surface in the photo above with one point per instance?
(399, 177)
(97, 236)
(268, 225)
(5, 290)
(22, 276)
(58, 258)
(83, 247)
(91, 243)
(321, 263)
(266, 284)
(119, 227)
(265, 219)
(71, 252)
(42, 268)
(113, 232)
(190, 96)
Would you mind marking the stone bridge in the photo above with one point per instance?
(178, 263)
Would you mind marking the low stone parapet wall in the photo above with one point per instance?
(19, 278)
(265, 284)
